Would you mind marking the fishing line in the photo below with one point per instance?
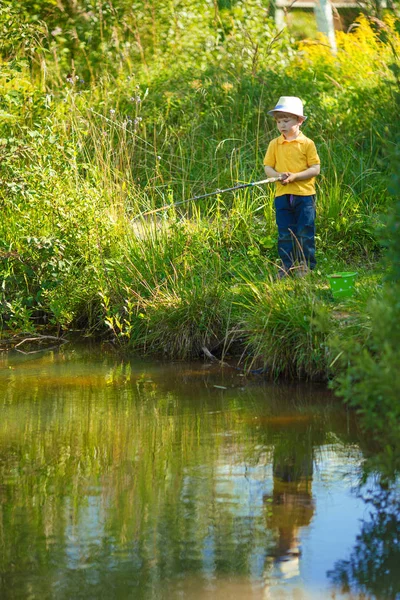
(216, 192)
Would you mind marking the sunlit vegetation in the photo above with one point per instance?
(109, 110)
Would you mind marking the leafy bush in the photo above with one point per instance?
(371, 379)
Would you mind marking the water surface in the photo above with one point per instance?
(124, 478)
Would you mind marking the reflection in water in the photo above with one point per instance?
(128, 479)
(373, 569)
(291, 504)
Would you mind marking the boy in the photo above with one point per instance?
(294, 159)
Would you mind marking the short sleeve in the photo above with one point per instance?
(312, 154)
(270, 157)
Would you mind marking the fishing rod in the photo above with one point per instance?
(239, 186)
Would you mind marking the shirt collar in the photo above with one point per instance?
(300, 139)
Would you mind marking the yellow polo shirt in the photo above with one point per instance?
(293, 156)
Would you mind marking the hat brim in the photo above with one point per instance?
(284, 110)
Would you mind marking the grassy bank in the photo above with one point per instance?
(87, 146)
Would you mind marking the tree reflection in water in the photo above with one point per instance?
(373, 569)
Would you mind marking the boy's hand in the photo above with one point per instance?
(312, 171)
(288, 178)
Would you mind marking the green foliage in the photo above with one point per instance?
(114, 109)
(371, 381)
(19, 35)
(392, 240)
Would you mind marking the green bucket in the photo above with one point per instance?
(342, 284)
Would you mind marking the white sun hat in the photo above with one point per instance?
(289, 104)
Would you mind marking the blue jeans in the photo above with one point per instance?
(295, 218)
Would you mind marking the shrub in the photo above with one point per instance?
(370, 381)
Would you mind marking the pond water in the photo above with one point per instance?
(123, 478)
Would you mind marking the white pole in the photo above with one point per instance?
(324, 18)
(280, 18)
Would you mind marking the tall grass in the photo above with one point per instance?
(82, 160)
(282, 333)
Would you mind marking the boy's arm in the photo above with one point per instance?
(312, 171)
(270, 159)
(270, 172)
